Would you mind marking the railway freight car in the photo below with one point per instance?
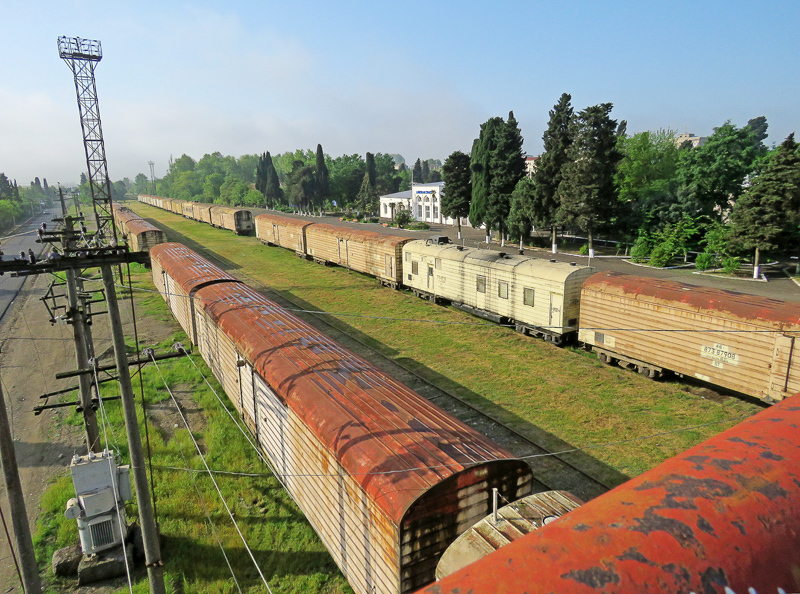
(368, 252)
(722, 517)
(284, 232)
(739, 342)
(140, 234)
(540, 297)
(387, 479)
(238, 220)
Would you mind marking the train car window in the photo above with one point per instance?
(415, 268)
(481, 284)
(527, 297)
(438, 263)
(502, 290)
(407, 256)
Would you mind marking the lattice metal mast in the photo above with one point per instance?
(81, 55)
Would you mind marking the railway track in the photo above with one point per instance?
(573, 471)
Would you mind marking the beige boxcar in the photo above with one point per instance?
(739, 342)
(285, 232)
(540, 297)
(202, 212)
(365, 251)
(238, 220)
(187, 209)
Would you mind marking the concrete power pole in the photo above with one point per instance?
(16, 501)
(152, 549)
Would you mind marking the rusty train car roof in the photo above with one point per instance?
(390, 439)
(360, 236)
(760, 311)
(725, 513)
(289, 221)
(188, 269)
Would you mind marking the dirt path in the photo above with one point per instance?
(32, 351)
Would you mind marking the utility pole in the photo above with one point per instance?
(152, 549)
(16, 501)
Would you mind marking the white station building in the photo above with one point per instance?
(424, 202)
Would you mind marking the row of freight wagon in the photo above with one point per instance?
(390, 482)
(238, 220)
(739, 342)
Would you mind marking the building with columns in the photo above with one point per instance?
(424, 202)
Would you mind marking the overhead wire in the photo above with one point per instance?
(211, 476)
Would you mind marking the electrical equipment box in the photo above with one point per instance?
(102, 487)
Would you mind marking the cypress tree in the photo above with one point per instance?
(272, 185)
(371, 170)
(547, 177)
(769, 207)
(587, 191)
(321, 179)
(482, 149)
(519, 216)
(507, 164)
(416, 173)
(457, 187)
(366, 195)
(426, 172)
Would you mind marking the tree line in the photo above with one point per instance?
(302, 180)
(725, 197)
(18, 203)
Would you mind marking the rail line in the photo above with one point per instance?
(550, 471)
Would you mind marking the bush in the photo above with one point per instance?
(419, 226)
(640, 252)
(373, 220)
(731, 264)
(584, 250)
(705, 261)
(661, 255)
(402, 217)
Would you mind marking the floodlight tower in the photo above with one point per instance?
(82, 55)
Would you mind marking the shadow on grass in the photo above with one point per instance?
(207, 563)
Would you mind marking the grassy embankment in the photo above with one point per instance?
(565, 395)
(290, 554)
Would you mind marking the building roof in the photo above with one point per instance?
(404, 194)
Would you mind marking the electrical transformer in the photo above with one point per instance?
(102, 487)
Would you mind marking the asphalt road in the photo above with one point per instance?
(19, 240)
(778, 284)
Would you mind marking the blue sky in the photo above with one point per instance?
(415, 78)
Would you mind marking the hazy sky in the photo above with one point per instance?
(415, 78)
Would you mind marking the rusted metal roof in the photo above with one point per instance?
(772, 313)
(395, 443)
(724, 514)
(359, 235)
(226, 209)
(186, 267)
(283, 221)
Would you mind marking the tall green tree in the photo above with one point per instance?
(547, 177)
(322, 186)
(425, 173)
(346, 174)
(711, 176)
(520, 215)
(371, 171)
(456, 174)
(587, 192)
(300, 185)
(416, 173)
(767, 209)
(646, 181)
(507, 164)
(366, 199)
(480, 164)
